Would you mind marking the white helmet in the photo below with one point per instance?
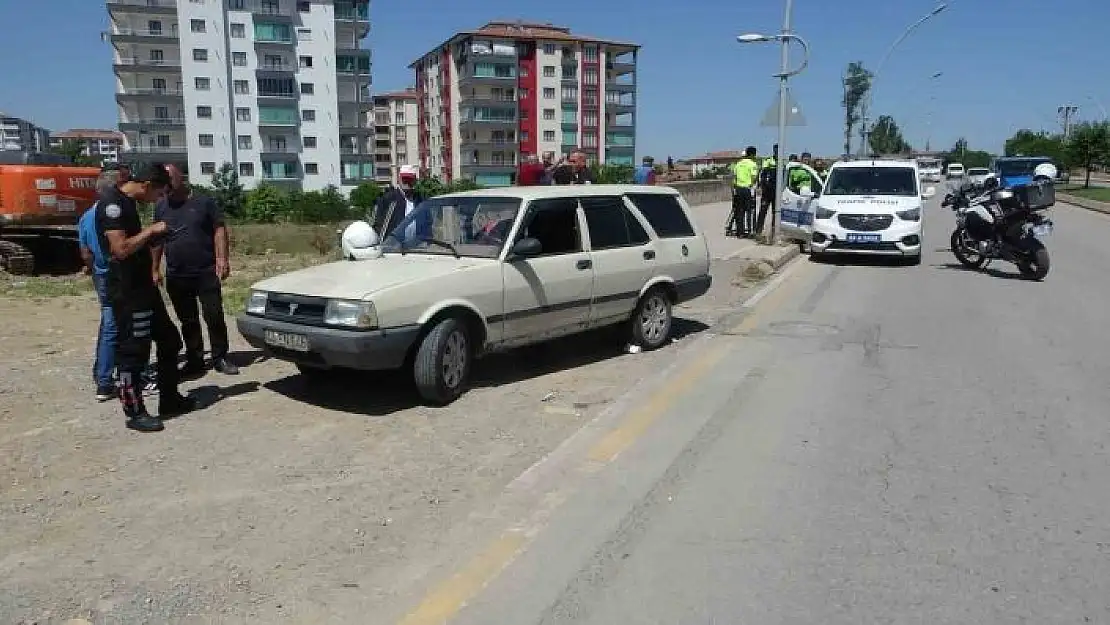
(1045, 170)
(358, 236)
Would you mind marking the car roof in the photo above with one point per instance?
(878, 162)
(557, 191)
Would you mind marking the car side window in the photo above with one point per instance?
(554, 223)
(664, 213)
(611, 224)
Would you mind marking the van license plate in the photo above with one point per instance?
(285, 340)
(864, 238)
(1042, 230)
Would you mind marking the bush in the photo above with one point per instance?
(265, 204)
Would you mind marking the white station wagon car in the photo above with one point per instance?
(469, 273)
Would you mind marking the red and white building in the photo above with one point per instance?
(486, 97)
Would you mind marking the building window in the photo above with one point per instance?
(399, 117)
(208, 168)
(303, 6)
(310, 142)
(523, 72)
(162, 141)
(246, 170)
(311, 169)
(589, 76)
(589, 139)
(239, 59)
(548, 71)
(200, 54)
(304, 34)
(238, 31)
(589, 118)
(549, 114)
(570, 94)
(549, 93)
(204, 112)
(523, 136)
(202, 83)
(307, 88)
(156, 55)
(549, 48)
(244, 142)
(197, 26)
(206, 141)
(589, 53)
(549, 135)
(305, 61)
(242, 114)
(308, 115)
(242, 87)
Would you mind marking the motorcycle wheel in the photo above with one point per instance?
(1037, 268)
(967, 258)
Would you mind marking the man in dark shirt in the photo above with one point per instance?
(574, 171)
(140, 313)
(196, 263)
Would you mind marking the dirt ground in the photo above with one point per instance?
(278, 502)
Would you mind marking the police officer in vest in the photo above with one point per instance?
(745, 173)
(767, 184)
(140, 313)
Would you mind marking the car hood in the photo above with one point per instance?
(348, 279)
(869, 204)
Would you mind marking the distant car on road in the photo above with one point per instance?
(978, 175)
(955, 170)
(469, 273)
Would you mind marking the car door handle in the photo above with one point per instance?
(649, 255)
(585, 264)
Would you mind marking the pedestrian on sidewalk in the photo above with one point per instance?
(196, 265)
(768, 183)
(645, 173)
(745, 174)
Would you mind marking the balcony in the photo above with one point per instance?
(622, 63)
(489, 98)
(138, 152)
(153, 65)
(278, 149)
(622, 84)
(135, 123)
(352, 12)
(616, 101)
(143, 7)
(621, 121)
(569, 98)
(268, 9)
(149, 92)
(273, 34)
(135, 35)
(276, 68)
(489, 73)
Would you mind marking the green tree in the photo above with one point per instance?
(1031, 143)
(1089, 146)
(857, 82)
(430, 186)
(462, 184)
(364, 196)
(969, 158)
(266, 204)
(228, 192)
(886, 137)
(73, 150)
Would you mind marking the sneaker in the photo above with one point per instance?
(174, 406)
(143, 422)
(106, 393)
(224, 366)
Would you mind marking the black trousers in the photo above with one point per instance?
(743, 210)
(141, 319)
(184, 293)
(766, 202)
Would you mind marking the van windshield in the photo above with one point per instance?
(900, 181)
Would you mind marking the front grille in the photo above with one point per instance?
(295, 309)
(885, 246)
(865, 223)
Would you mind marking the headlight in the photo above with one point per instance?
(914, 214)
(351, 314)
(824, 213)
(256, 303)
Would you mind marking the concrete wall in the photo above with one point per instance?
(698, 192)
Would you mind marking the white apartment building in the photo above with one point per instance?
(104, 144)
(21, 135)
(490, 95)
(396, 133)
(276, 88)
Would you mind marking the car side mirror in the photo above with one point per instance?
(526, 248)
(928, 192)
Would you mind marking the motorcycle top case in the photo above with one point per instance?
(1035, 195)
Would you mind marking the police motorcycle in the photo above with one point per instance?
(993, 223)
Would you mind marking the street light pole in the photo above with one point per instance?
(879, 70)
(780, 165)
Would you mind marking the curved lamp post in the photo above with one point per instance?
(879, 70)
(784, 74)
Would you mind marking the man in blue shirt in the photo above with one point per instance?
(645, 174)
(96, 262)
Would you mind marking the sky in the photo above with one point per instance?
(1007, 64)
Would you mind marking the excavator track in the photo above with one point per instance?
(16, 259)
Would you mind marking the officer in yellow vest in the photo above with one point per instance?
(745, 175)
(767, 184)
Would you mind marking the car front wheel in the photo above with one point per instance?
(651, 321)
(442, 363)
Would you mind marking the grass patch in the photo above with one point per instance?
(294, 239)
(1098, 194)
(44, 286)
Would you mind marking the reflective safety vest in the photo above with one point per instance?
(744, 173)
(799, 178)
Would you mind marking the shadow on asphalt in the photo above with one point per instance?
(989, 271)
(859, 260)
(382, 393)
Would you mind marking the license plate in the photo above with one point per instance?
(285, 340)
(1042, 230)
(864, 238)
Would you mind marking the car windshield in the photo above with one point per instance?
(872, 181)
(1020, 166)
(978, 171)
(472, 226)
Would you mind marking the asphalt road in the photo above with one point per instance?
(871, 444)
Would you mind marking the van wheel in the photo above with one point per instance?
(651, 321)
(442, 363)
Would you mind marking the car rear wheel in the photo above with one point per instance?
(442, 363)
(650, 324)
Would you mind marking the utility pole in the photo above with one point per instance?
(1067, 113)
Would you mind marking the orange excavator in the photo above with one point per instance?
(41, 198)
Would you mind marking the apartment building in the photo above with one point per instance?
(273, 87)
(396, 132)
(488, 96)
(22, 135)
(103, 144)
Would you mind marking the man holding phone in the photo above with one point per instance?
(196, 255)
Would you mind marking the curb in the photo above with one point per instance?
(776, 256)
(1092, 205)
